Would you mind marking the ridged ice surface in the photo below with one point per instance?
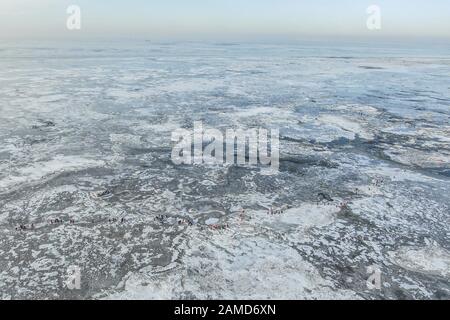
(364, 172)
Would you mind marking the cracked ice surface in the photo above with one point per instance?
(363, 180)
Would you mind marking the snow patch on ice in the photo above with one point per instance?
(219, 269)
(39, 170)
(347, 125)
(430, 259)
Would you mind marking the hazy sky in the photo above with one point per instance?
(223, 19)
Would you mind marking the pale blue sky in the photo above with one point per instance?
(224, 19)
